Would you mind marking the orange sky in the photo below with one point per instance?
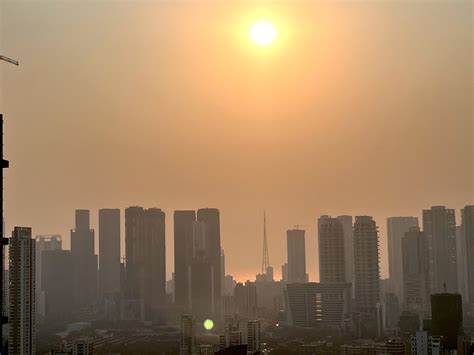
(358, 108)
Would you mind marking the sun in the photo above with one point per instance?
(263, 33)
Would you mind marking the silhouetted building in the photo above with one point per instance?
(446, 315)
(462, 263)
(367, 270)
(284, 272)
(146, 263)
(84, 261)
(57, 284)
(22, 324)
(331, 250)
(254, 336)
(43, 243)
(109, 251)
(183, 252)
(187, 343)
(439, 225)
(396, 229)
(211, 218)
(296, 255)
(346, 222)
(468, 236)
(416, 271)
(245, 300)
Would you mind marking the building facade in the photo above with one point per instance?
(296, 255)
(109, 251)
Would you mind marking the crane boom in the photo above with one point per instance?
(9, 60)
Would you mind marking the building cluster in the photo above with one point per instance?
(430, 268)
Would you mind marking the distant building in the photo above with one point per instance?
(22, 317)
(284, 272)
(81, 346)
(253, 336)
(439, 224)
(43, 243)
(331, 250)
(346, 222)
(145, 271)
(84, 261)
(245, 300)
(446, 314)
(296, 256)
(416, 271)
(57, 285)
(183, 253)
(187, 343)
(229, 284)
(367, 269)
(467, 227)
(396, 229)
(109, 251)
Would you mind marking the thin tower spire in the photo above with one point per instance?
(265, 258)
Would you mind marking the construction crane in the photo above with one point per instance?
(5, 164)
(9, 60)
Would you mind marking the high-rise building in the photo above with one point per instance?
(109, 251)
(245, 300)
(146, 263)
(296, 255)
(187, 344)
(57, 284)
(183, 253)
(446, 315)
(396, 229)
(253, 336)
(346, 222)
(43, 243)
(462, 264)
(22, 325)
(416, 271)
(211, 218)
(284, 272)
(84, 261)
(366, 261)
(439, 225)
(467, 229)
(331, 250)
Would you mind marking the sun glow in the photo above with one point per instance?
(263, 33)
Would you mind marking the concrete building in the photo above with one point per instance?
(331, 250)
(416, 271)
(367, 269)
(109, 251)
(447, 317)
(439, 225)
(245, 300)
(22, 297)
(254, 336)
(43, 243)
(84, 261)
(296, 256)
(183, 250)
(467, 228)
(145, 271)
(187, 343)
(346, 222)
(396, 229)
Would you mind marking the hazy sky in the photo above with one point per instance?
(358, 108)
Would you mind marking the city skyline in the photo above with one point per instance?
(141, 126)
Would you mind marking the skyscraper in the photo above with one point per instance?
(416, 268)
(146, 263)
(346, 222)
(296, 255)
(396, 229)
(57, 284)
(366, 261)
(211, 217)
(467, 228)
(245, 300)
(109, 251)
(183, 253)
(446, 314)
(43, 243)
(439, 225)
(22, 326)
(84, 261)
(331, 250)
(187, 345)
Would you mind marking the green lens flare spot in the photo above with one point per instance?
(208, 324)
